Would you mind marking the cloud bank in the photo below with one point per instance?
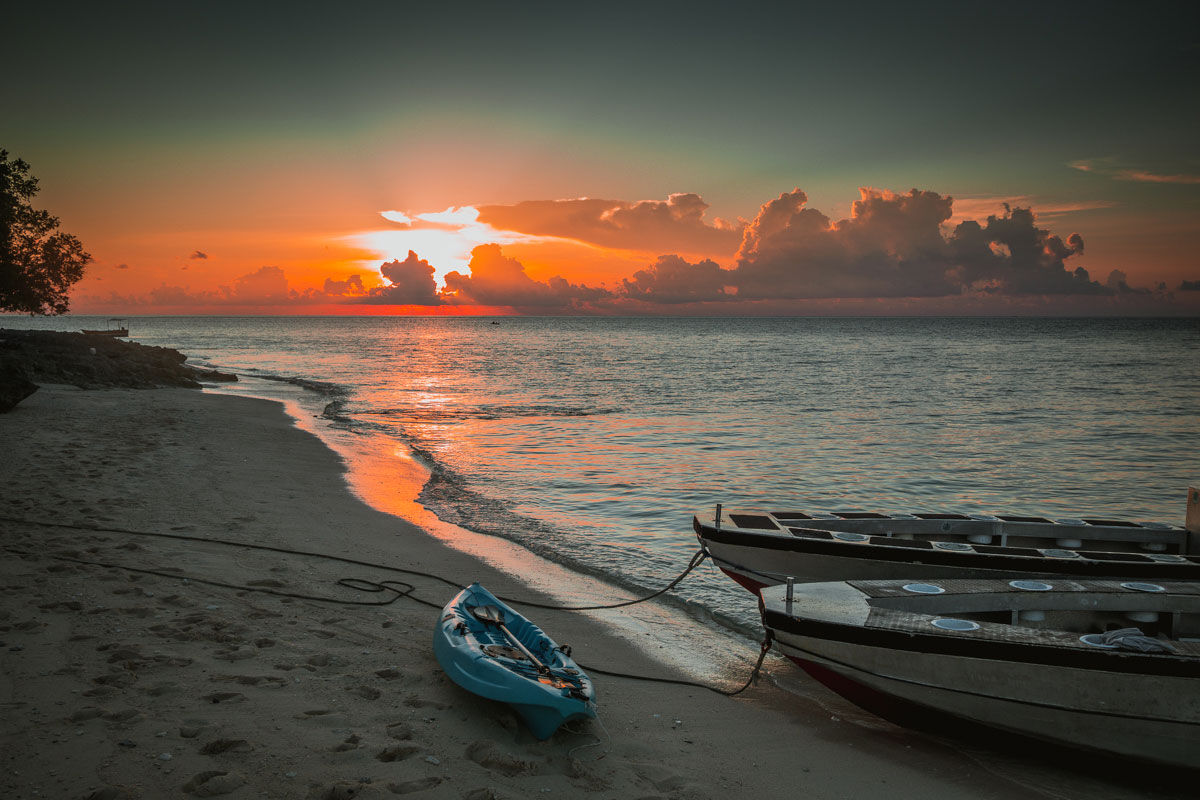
(674, 224)
(893, 245)
(905, 249)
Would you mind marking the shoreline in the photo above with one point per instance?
(390, 480)
(104, 670)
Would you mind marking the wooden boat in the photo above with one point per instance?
(116, 327)
(491, 650)
(1056, 660)
(764, 548)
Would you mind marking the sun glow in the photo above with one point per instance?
(443, 238)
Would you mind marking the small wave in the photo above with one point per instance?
(490, 412)
(447, 494)
(321, 387)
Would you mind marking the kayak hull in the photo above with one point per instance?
(481, 658)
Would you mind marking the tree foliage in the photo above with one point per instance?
(38, 265)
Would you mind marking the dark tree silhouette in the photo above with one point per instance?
(37, 263)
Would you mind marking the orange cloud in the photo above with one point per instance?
(676, 224)
(496, 280)
(897, 248)
(1109, 167)
(893, 246)
(671, 280)
(411, 283)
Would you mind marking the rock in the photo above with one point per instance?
(15, 385)
(212, 376)
(91, 362)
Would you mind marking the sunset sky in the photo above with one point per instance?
(657, 158)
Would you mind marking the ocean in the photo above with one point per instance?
(592, 441)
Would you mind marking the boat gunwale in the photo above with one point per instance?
(953, 525)
(980, 644)
(1136, 565)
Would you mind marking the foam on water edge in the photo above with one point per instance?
(392, 476)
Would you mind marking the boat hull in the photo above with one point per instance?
(927, 693)
(873, 549)
(473, 655)
(1037, 684)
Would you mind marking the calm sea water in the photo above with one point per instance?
(593, 440)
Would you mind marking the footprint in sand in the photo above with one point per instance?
(224, 697)
(486, 754)
(124, 715)
(412, 701)
(63, 605)
(351, 742)
(218, 746)
(316, 712)
(252, 680)
(213, 783)
(111, 793)
(399, 730)
(240, 653)
(161, 688)
(191, 728)
(343, 790)
(419, 785)
(400, 752)
(662, 778)
(118, 680)
(365, 692)
(86, 713)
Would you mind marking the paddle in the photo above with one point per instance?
(491, 615)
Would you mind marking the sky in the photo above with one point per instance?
(646, 158)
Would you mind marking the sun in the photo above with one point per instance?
(443, 238)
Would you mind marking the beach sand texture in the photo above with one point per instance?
(116, 682)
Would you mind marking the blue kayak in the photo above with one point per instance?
(491, 650)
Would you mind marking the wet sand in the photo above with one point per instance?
(126, 673)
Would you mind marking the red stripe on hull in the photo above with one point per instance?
(890, 707)
(748, 583)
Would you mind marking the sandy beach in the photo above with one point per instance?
(126, 673)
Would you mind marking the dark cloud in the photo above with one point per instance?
(1189, 286)
(497, 280)
(893, 246)
(197, 254)
(265, 286)
(1118, 283)
(411, 283)
(675, 224)
(672, 279)
(120, 266)
(350, 287)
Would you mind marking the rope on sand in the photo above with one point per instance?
(397, 588)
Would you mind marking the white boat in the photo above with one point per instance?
(763, 548)
(116, 327)
(1101, 665)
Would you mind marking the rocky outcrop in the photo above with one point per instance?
(15, 385)
(90, 362)
(212, 376)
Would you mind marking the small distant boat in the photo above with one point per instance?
(489, 649)
(116, 327)
(764, 548)
(1101, 665)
